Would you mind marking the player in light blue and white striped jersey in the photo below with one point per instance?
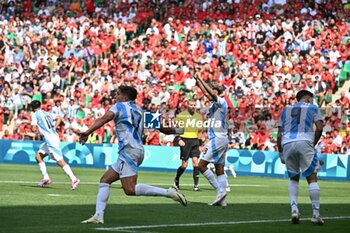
(51, 146)
(215, 151)
(296, 142)
(128, 120)
(297, 122)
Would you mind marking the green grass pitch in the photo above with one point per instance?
(255, 204)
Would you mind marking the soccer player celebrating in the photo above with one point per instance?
(128, 120)
(215, 151)
(296, 141)
(189, 142)
(45, 123)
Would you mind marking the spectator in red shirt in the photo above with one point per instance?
(96, 98)
(6, 135)
(152, 138)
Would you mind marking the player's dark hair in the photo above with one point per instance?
(35, 104)
(128, 91)
(216, 86)
(303, 93)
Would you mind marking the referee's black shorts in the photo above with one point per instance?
(190, 149)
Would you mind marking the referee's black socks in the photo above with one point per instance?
(180, 171)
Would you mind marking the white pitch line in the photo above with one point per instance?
(130, 231)
(206, 224)
(96, 183)
(62, 195)
(54, 195)
(35, 182)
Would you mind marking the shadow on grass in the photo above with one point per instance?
(35, 186)
(67, 218)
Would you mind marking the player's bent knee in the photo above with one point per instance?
(219, 169)
(39, 157)
(202, 168)
(105, 180)
(312, 178)
(61, 163)
(129, 191)
(295, 178)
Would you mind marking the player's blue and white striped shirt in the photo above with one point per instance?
(297, 122)
(217, 119)
(128, 125)
(45, 123)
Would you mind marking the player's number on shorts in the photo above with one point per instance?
(296, 112)
(49, 122)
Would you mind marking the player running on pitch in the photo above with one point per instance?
(128, 120)
(45, 123)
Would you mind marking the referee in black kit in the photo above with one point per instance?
(189, 142)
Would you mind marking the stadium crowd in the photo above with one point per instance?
(72, 55)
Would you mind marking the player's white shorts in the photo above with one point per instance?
(215, 151)
(128, 162)
(53, 149)
(300, 155)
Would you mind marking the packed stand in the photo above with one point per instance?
(72, 55)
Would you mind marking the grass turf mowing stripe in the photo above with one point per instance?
(208, 224)
(96, 183)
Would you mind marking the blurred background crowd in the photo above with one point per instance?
(72, 55)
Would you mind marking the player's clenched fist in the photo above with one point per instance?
(83, 137)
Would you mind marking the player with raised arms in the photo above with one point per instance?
(51, 146)
(128, 120)
(215, 151)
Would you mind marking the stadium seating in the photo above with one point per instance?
(261, 54)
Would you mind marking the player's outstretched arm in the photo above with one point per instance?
(169, 130)
(207, 91)
(58, 121)
(318, 131)
(279, 144)
(97, 124)
(279, 139)
(167, 127)
(172, 130)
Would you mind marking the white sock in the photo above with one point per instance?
(43, 170)
(68, 171)
(148, 190)
(211, 178)
(102, 198)
(232, 169)
(227, 184)
(314, 193)
(222, 182)
(293, 190)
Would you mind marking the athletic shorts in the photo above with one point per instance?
(190, 149)
(53, 149)
(215, 151)
(128, 162)
(300, 155)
